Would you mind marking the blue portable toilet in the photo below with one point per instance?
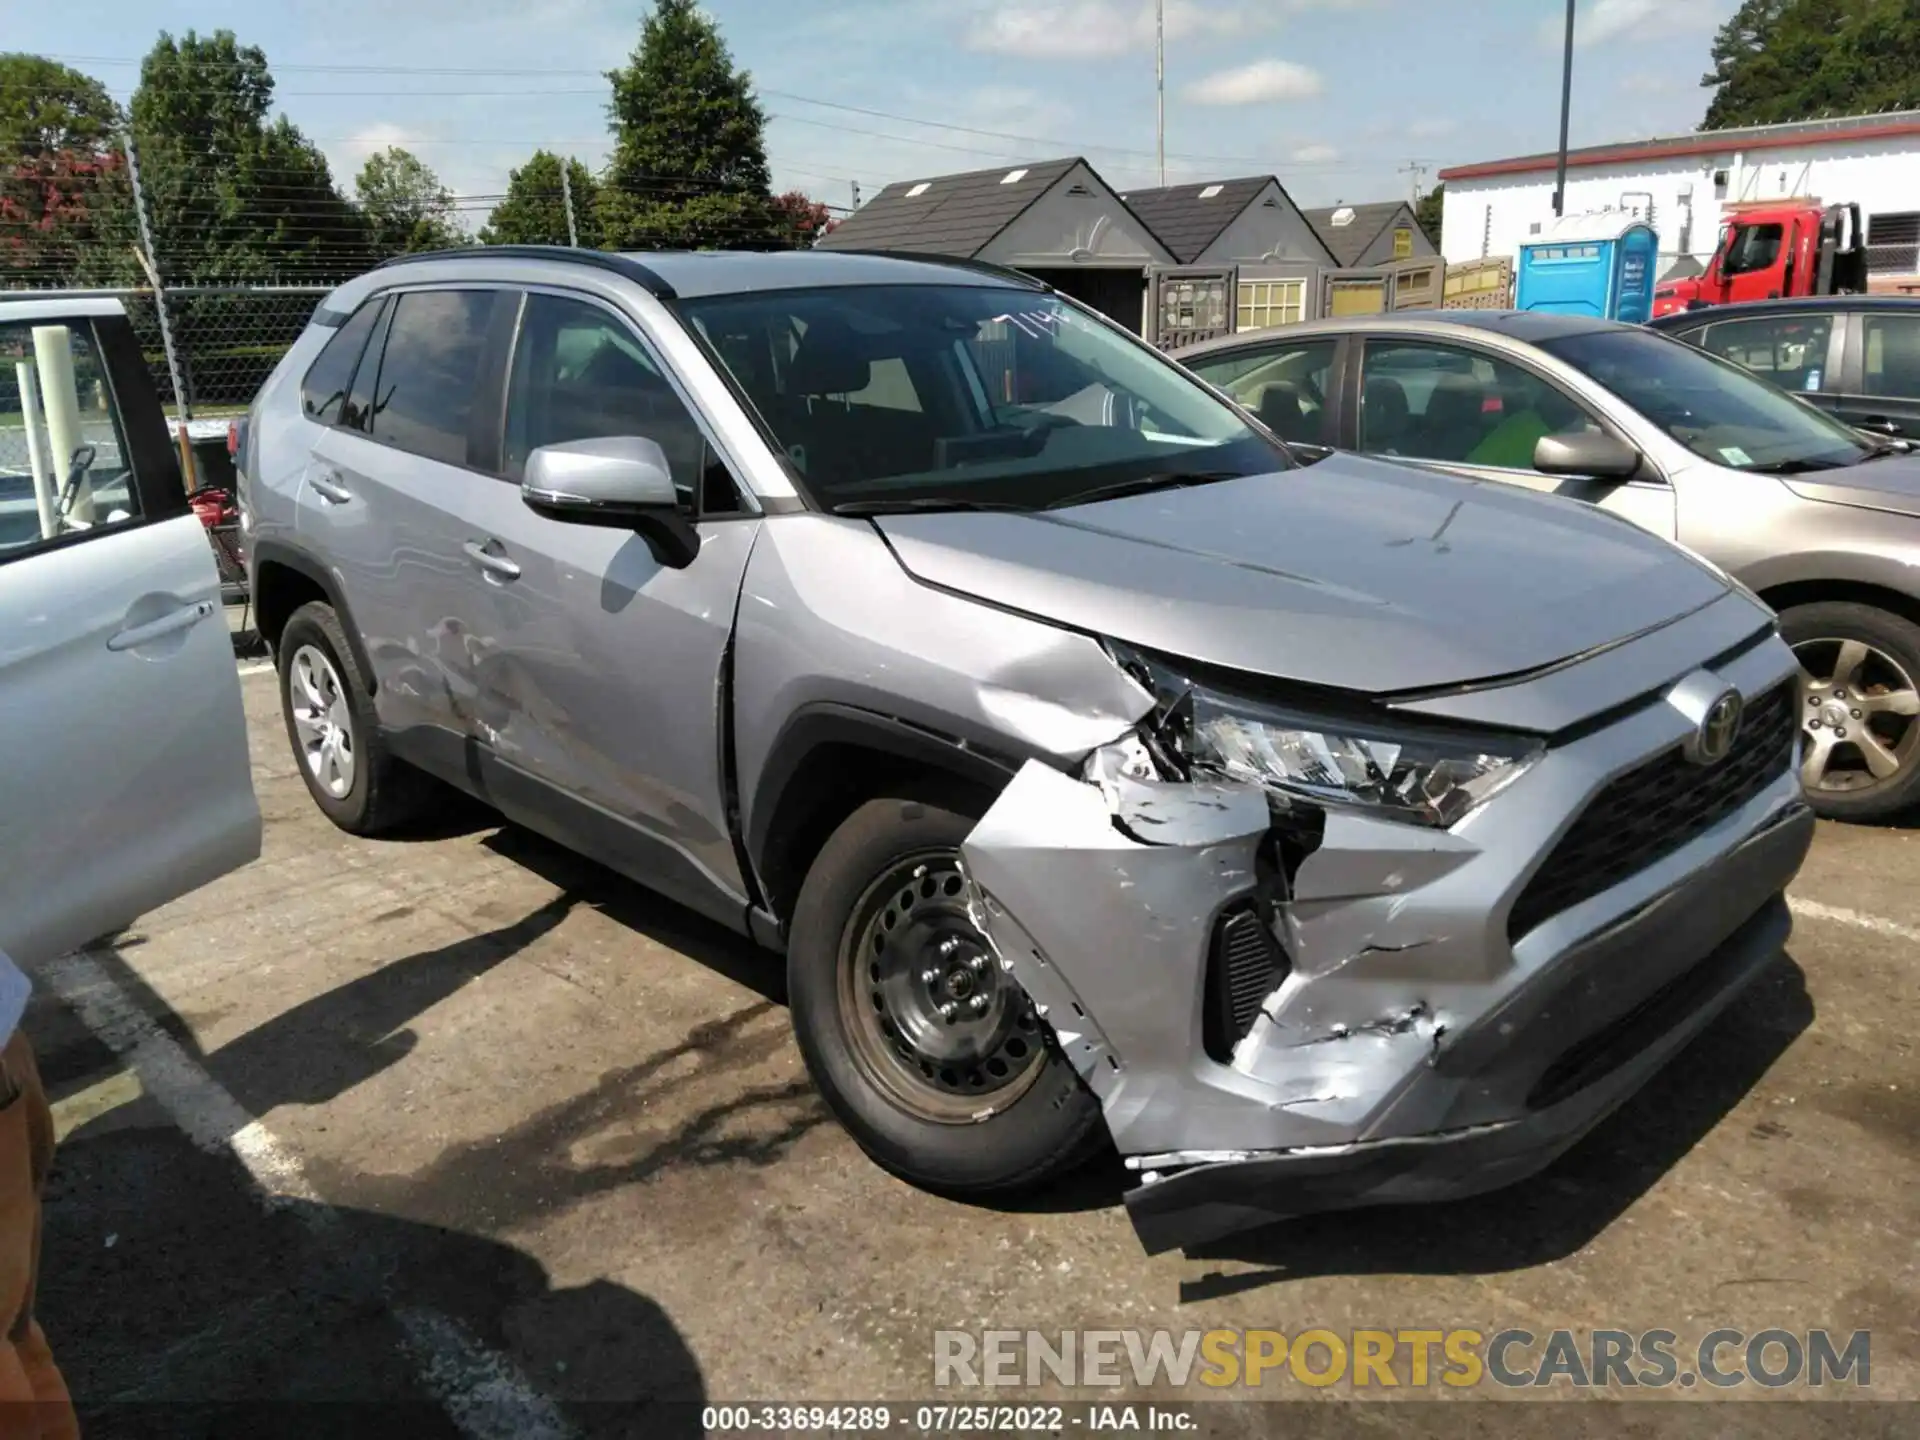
(1598, 264)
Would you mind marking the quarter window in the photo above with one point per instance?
(1892, 355)
(429, 372)
(325, 387)
(1434, 402)
(1789, 350)
(580, 374)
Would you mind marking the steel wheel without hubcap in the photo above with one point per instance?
(937, 1025)
(1858, 707)
(317, 701)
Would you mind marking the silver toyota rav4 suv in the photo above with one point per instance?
(1318, 836)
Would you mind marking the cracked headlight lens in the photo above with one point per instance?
(1417, 774)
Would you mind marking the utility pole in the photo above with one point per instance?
(1566, 101)
(1160, 84)
(566, 200)
(1416, 169)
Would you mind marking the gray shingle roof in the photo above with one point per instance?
(951, 214)
(1349, 242)
(1187, 224)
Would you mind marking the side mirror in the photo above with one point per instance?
(1590, 454)
(622, 482)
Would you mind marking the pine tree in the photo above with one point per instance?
(689, 167)
(1777, 61)
(534, 211)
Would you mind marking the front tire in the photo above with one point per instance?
(1859, 708)
(353, 777)
(929, 1053)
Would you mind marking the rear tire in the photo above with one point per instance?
(1859, 708)
(337, 745)
(980, 1102)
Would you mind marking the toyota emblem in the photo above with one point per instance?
(1714, 740)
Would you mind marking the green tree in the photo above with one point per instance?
(1777, 61)
(1427, 212)
(233, 194)
(534, 210)
(689, 167)
(405, 206)
(63, 189)
(47, 108)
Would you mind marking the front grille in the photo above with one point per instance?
(1649, 813)
(1245, 965)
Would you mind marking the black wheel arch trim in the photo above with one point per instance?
(820, 724)
(279, 552)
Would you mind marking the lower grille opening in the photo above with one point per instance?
(1648, 813)
(1245, 964)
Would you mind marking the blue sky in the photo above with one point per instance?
(1334, 96)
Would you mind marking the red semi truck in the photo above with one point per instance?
(1775, 248)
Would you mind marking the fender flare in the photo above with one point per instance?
(816, 726)
(279, 552)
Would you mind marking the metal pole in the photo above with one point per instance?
(1566, 101)
(150, 263)
(566, 199)
(1160, 84)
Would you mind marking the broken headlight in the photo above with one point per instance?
(1419, 774)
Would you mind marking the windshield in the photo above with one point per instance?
(1717, 410)
(927, 395)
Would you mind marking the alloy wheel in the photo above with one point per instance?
(1858, 707)
(936, 1023)
(322, 720)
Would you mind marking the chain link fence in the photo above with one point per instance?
(227, 339)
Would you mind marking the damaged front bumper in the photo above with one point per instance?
(1409, 1046)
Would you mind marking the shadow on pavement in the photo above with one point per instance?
(179, 1304)
(1560, 1210)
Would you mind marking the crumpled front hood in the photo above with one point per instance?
(1891, 483)
(1350, 573)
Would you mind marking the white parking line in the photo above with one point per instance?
(1814, 910)
(481, 1391)
(256, 667)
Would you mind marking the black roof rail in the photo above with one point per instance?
(958, 262)
(624, 265)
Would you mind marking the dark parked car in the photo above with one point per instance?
(1855, 356)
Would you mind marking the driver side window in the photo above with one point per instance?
(1284, 384)
(64, 464)
(1436, 402)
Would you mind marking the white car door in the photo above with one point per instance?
(124, 775)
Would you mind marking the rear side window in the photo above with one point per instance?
(429, 372)
(325, 387)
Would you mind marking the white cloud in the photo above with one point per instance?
(345, 157)
(1083, 29)
(1256, 84)
(1637, 20)
(1315, 154)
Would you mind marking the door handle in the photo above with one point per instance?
(491, 561)
(329, 488)
(185, 618)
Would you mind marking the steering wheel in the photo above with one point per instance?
(77, 467)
